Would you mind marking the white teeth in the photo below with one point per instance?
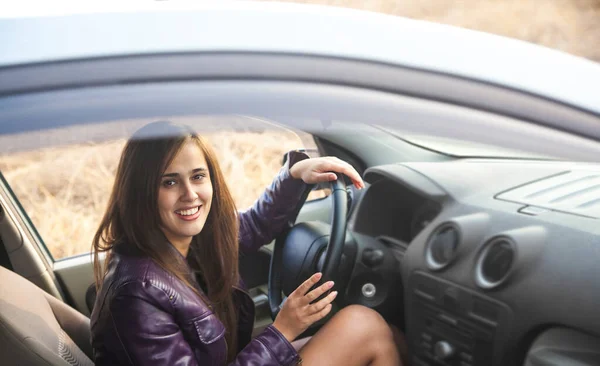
(189, 212)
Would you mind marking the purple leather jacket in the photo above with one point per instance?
(145, 316)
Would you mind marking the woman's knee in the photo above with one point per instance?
(364, 320)
(367, 329)
(361, 313)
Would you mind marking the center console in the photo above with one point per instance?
(452, 326)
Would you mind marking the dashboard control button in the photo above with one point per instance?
(372, 257)
(369, 290)
(450, 303)
(450, 298)
(443, 350)
(448, 319)
(424, 295)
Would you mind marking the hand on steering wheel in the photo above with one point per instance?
(323, 169)
(297, 313)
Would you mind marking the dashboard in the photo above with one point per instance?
(500, 262)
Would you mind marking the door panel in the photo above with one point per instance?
(75, 275)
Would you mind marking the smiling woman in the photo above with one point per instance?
(160, 175)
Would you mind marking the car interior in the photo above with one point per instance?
(487, 258)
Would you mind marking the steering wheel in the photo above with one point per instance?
(304, 247)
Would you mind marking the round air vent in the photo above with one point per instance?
(442, 246)
(494, 263)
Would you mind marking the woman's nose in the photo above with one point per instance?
(189, 194)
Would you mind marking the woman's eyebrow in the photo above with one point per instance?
(197, 170)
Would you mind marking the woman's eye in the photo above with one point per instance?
(168, 183)
(198, 176)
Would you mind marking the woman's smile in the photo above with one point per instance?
(189, 214)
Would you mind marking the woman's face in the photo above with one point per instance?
(185, 196)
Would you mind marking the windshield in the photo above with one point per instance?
(463, 148)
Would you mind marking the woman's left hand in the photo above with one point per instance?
(317, 170)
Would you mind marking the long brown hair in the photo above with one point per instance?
(132, 218)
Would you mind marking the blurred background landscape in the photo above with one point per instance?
(572, 26)
(65, 188)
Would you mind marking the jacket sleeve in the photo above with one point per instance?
(269, 348)
(268, 216)
(150, 335)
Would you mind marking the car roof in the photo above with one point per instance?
(55, 33)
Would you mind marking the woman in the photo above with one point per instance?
(170, 291)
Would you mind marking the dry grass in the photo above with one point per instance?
(65, 189)
(572, 26)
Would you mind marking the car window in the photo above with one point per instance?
(63, 177)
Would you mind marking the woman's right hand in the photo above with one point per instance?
(297, 313)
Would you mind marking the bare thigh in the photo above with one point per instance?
(355, 336)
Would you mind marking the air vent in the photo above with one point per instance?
(494, 263)
(442, 246)
(575, 192)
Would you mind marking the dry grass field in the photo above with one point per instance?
(572, 26)
(65, 189)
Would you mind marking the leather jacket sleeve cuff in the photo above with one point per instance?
(295, 156)
(279, 346)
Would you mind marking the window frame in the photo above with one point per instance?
(24, 222)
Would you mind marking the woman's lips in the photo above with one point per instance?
(189, 217)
